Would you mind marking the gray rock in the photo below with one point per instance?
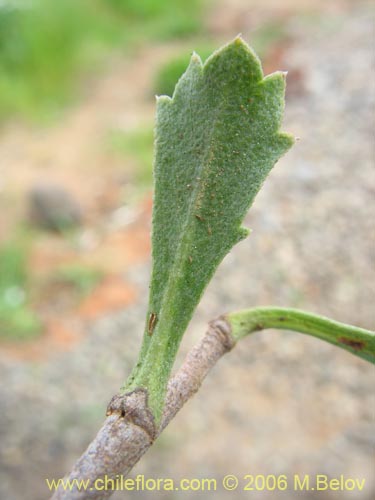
(53, 207)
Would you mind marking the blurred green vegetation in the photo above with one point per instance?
(138, 145)
(82, 278)
(17, 320)
(46, 44)
(164, 19)
(46, 48)
(169, 74)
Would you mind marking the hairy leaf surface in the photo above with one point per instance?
(216, 141)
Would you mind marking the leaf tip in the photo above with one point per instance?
(240, 43)
(239, 40)
(234, 58)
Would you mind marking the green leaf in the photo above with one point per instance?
(216, 141)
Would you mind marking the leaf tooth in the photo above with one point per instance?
(277, 78)
(162, 98)
(196, 59)
(190, 77)
(242, 233)
(285, 141)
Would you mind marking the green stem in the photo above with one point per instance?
(356, 340)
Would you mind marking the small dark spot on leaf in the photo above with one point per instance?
(259, 326)
(199, 217)
(281, 318)
(358, 345)
(151, 323)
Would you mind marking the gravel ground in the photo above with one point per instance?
(280, 403)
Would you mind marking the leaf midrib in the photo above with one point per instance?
(186, 228)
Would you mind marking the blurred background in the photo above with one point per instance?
(77, 86)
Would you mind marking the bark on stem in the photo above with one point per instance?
(129, 429)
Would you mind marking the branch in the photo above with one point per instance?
(130, 429)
